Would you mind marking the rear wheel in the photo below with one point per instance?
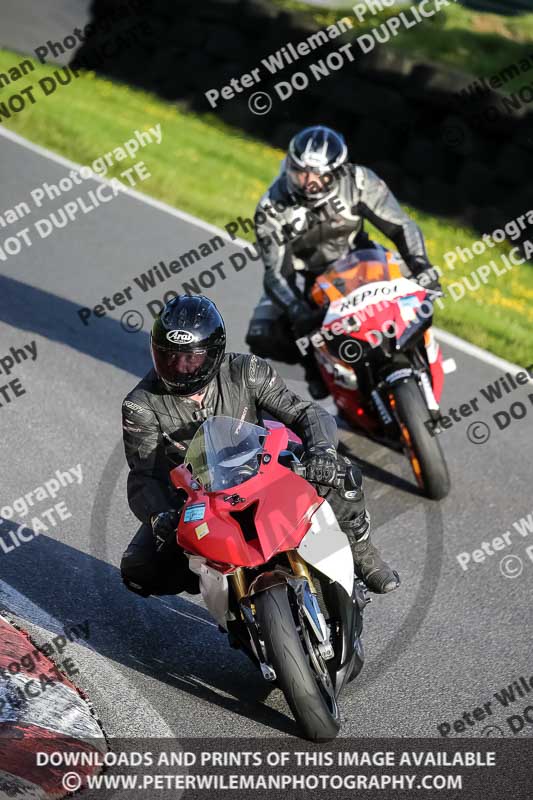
(308, 689)
(423, 449)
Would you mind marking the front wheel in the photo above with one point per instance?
(310, 694)
(423, 449)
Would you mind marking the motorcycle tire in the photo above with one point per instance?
(295, 675)
(423, 449)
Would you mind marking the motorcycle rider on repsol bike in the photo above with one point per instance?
(312, 215)
(194, 379)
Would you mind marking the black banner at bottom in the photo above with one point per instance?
(199, 768)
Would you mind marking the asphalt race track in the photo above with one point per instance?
(27, 25)
(440, 646)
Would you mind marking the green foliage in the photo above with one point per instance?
(475, 43)
(215, 172)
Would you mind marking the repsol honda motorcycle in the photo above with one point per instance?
(275, 570)
(380, 361)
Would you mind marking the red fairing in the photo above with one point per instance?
(437, 377)
(274, 517)
(373, 323)
(435, 364)
(351, 404)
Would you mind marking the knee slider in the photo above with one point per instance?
(135, 587)
(354, 499)
(136, 571)
(352, 490)
(259, 338)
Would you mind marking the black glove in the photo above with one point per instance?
(164, 527)
(304, 319)
(426, 275)
(429, 280)
(321, 465)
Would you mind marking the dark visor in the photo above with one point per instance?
(182, 367)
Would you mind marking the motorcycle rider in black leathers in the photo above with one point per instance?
(194, 379)
(313, 214)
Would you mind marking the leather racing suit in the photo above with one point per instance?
(298, 241)
(157, 429)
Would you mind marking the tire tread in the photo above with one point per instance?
(294, 672)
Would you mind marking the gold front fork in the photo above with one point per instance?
(240, 584)
(299, 567)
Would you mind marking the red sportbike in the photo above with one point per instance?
(275, 570)
(380, 361)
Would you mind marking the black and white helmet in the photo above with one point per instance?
(314, 155)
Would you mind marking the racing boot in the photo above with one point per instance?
(377, 575)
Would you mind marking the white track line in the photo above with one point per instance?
(474, 351)
(143, 198)
(448, 338)
(184, 614)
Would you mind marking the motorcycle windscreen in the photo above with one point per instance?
(359, 268)
(327, 549)
(225, 452)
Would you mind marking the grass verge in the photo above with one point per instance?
(214, 172)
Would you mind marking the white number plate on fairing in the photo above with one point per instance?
(369, 294)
